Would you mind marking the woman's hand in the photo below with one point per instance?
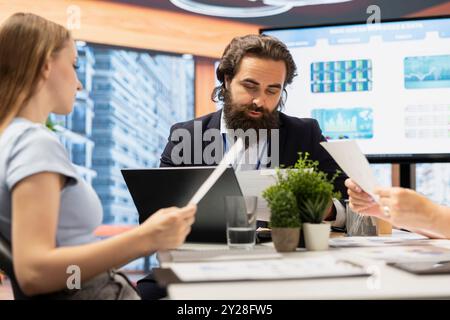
(407, 208)
(403, 208)
(167, 228)
(361, 202)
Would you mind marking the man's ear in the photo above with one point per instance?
(227, 82)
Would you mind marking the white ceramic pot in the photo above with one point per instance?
(316, 236)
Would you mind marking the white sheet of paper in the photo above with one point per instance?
(228, 159)
(253, 183)
(350, 158)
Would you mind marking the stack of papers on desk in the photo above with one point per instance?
(223, 254)
(279, 269)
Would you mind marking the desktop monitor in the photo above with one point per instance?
(386, 85)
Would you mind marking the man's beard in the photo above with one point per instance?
(236, 116)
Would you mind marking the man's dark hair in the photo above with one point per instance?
(261, 46)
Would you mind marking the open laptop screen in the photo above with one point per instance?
(153, 189)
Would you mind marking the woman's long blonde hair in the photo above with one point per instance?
(26, 42)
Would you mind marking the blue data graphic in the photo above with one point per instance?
(341, 76)
(427, 72)
(345, 123)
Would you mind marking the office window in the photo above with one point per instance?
(433, 181)
(122, 118)
(383, 174)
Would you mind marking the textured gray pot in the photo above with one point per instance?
(285, 239)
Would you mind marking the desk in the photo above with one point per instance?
(385, 283)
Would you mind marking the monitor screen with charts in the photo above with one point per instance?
(385, 85)
(153, 189)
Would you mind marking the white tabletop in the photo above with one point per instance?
(385, 282)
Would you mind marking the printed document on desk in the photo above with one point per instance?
(423, 252)
(398, 238)
(272, 269)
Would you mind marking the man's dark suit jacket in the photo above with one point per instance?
(296, 135)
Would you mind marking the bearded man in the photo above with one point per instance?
(253, 73)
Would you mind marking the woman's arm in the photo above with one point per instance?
(40, 267)
(441, 223)
(413, 211)
(408, 210)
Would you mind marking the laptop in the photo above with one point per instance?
(153, 189)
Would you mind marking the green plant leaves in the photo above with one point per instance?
(283, 207)
(313, 210)
(310, 187)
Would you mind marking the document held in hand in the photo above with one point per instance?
(350, 158)
(229, 158)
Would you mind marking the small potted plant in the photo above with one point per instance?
(313, 192)
(284, 219)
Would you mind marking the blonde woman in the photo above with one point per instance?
(47, 211)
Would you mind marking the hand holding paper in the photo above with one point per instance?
(350, 158)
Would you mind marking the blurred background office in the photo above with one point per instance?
(146, 64)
